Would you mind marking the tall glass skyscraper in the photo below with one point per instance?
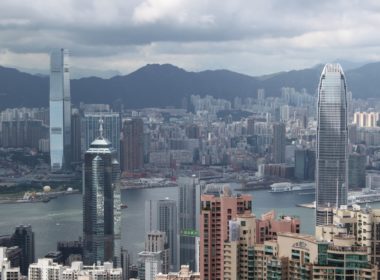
(101, 202)
(332, 143)
(60, 110)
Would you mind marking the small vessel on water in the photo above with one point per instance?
(123, 206)
(289, 187)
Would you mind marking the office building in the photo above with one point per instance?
(161, 215)
(60, 110)
(304, 165)
(76, 136)
(332, 142)
(356, 171)
(279, 142)
(218, 207)
(48, 269)
(23, 237)
(111, 131)
(187, 219)
(373, 180)
(71, 251)
(100, 189)
(185, 273)
(7, 272)
(155, 258)
(132, 142)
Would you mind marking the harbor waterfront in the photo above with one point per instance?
(61, 218)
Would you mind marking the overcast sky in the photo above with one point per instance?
(249, 36)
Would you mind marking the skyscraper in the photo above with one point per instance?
(60, 110)
(132, 144)
(187, 218)
(101, 201)
(332, 143)
(76, 136)
(23, 237)
(279, 142)
(219, 206)
(162, 215)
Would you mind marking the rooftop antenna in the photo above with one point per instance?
(101, 128)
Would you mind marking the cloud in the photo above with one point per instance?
(249, 36)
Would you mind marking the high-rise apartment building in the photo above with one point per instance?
(279, 142)
(187, 219)
(161, 215)
(7, 272)
(218, 207)
(101, 201)
(332, 143)
(111, 121)
(132, 142)
(60, 110)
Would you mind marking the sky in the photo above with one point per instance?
(248, 36)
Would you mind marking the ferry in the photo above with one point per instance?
(289, 187)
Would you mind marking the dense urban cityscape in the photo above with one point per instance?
(221, 176)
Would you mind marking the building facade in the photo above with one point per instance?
(60, 110)
(332, 142)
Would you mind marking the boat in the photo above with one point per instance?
(288, 187)
(123, 206)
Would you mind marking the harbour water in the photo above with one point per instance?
(61, 218)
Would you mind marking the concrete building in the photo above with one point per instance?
(23, 237)
(218, 207)
(304, 165)
(332, 142)
(269, 226)
(356, 171)
(46, 269)
(161, 215)
(60, 110)
(155, 258)
(184, 274)
(7, 272)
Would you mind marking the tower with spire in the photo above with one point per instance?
(101, 202)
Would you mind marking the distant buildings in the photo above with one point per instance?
(304, 164)
(101, 201)
(76, 136)
(60, 110)
(132, 142)
(366, 119)
(332, 143)
(279, 142)
(356, 171)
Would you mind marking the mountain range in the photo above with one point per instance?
(161, 85)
